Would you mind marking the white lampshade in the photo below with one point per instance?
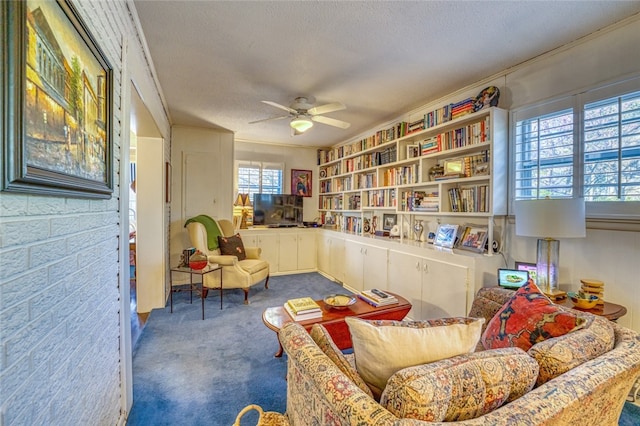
(301, 123)
(551, 218)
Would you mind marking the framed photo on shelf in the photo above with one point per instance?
(57, 109)
(301, 182)
(388, 221)
(532, 268)
(413, 151)
(474, 238)
(446, 236)
(453, 166)
(481, 169)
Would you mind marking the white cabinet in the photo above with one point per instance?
(331, 255)
(267, 241)
(365, 266)
(435, 289)
(297, 251)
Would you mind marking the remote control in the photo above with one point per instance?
(379, 293)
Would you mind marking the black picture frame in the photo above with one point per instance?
(389, 221)
(56, 103)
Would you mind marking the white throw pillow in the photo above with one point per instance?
(382, 347)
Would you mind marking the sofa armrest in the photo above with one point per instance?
(253, 252)
(268, 418)
(224, 260)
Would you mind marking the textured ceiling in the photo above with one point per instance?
(216, 60)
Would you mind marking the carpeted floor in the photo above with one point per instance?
(187, 371)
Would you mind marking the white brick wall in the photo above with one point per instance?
(59, 286)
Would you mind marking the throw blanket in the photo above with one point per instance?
(212, 229)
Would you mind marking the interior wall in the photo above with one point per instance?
(61, 271)
(293, 157)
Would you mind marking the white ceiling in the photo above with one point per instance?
(216, 60)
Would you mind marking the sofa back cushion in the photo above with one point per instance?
(382, 347)
(487, 302)
(321, 336)
(529, 317)
(460, 388)
(561, 354)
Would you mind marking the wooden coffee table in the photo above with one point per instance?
(333, 319)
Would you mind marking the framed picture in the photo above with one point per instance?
(532, 268)
(453, 166)
(474, 238)
(481, 169)
(389, 221)
(413, 151)
(446, 236)
(57, 113)
(301, 182)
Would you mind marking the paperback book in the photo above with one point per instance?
(377, 297)
(303, 305)
(303, 316)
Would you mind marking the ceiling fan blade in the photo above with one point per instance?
(291, 110)
(323, 109)
(330, 121)
(269, 119)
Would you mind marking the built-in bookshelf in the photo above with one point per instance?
(452, 163)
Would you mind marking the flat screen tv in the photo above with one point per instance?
(277, 209)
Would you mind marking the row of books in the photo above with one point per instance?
(376, 297)
(469, 199)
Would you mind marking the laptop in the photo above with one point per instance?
(512, 278)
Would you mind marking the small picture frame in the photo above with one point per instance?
(413, 151)
(481, 169)
(532, 268)
(474, 238)
(389, 221)
(446, 236)
(454, 166)
(301, 182)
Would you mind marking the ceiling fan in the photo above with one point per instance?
(303, 114)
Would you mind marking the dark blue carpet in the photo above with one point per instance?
(192, 372)
(187, 371)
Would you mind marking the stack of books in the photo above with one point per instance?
(303, 308)
(377, 297)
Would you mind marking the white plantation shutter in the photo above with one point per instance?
(257, 177)
(612, 149)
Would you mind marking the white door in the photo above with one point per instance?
(444, 289)
(375, 268)
(307, 249)
(288, 252)
(353, 264)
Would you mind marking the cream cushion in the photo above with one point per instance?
(383, 347)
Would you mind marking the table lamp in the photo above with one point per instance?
(549, 219)
(243, 207)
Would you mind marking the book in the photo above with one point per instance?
(374, 302)
(379, 297)
(304, 316)
(303, 304)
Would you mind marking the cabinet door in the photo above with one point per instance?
(444, 289)
(336, 261)
(353, 264)
(375, 268)
(269, 245)
(324, 253)
(405, 279)
(288, 257)
(307, 249)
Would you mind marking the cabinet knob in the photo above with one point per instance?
(418, 265)
(425, 268)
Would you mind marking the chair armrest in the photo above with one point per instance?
(224, 260)
(253, 252)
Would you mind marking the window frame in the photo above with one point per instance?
(261, 166)
(604, 211)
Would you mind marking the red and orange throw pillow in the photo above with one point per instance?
(527, 318)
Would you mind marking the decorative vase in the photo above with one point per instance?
(417, 230)
(198, 260)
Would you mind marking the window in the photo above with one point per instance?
(584, 145)
(254, 177)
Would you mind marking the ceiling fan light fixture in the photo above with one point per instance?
(301, 124)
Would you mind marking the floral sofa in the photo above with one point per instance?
(582, 377)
